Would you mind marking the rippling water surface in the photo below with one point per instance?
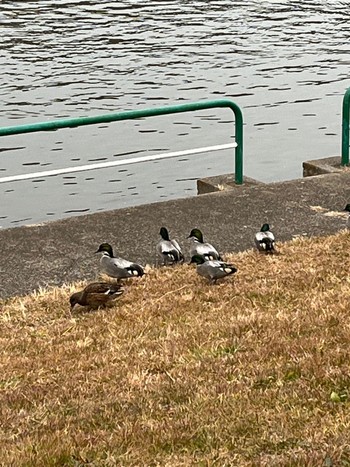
(285, 63)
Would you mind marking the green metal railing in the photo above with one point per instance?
(345, 129)
(132, 114)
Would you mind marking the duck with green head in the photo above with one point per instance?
(169, 250)
(200, 248)
(116, 267)
(96, 294)
(212, 269)
(265, 240)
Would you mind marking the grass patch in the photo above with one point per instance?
(251, 371)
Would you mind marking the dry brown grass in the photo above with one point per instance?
(182, 373)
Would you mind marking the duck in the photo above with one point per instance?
(96, 294)
(212, 269)
(265, 240)
(118, 268)
(168, 249)
(199, 248)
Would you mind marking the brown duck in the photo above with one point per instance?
(96, 294)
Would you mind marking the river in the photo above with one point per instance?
(285, 63)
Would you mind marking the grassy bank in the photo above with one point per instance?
(252, 371)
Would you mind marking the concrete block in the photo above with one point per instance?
(327, 165)
(224, 182)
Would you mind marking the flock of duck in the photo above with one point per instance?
(209, 264)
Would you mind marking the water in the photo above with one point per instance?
(285, 63)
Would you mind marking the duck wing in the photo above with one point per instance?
(178, 248)
(170, 251)
(206, 250)
(121, 262)
(98, 299)
(270, 235)
(111, 267)
(132, 269)
(99, 293)
(104, 288)
(213, 270)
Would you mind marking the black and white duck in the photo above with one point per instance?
(118, 268)
(169, 250)
(200, 248)
(212, 269)
(96, 294)
(265, 240)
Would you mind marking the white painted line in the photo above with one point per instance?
(104, 165)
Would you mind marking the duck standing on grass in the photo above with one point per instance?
(212, 269)
(199, 248)
(96, 294)
(168, 249)
(118, 268)
(265, 240)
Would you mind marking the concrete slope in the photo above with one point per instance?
(63, 251)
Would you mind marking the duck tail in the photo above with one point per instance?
(229, 268)
(267, 245)
(271, 248)
(136, 270)
(175, 256)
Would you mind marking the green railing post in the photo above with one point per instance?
(345, 129)
(153, 112)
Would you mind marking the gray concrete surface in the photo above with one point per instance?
(63, 251)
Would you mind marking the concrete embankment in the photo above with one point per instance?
(63, 251)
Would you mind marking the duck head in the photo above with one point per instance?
(197, 235)
(265, 228)
(164, 233)
(105, 248)
(74, 299)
